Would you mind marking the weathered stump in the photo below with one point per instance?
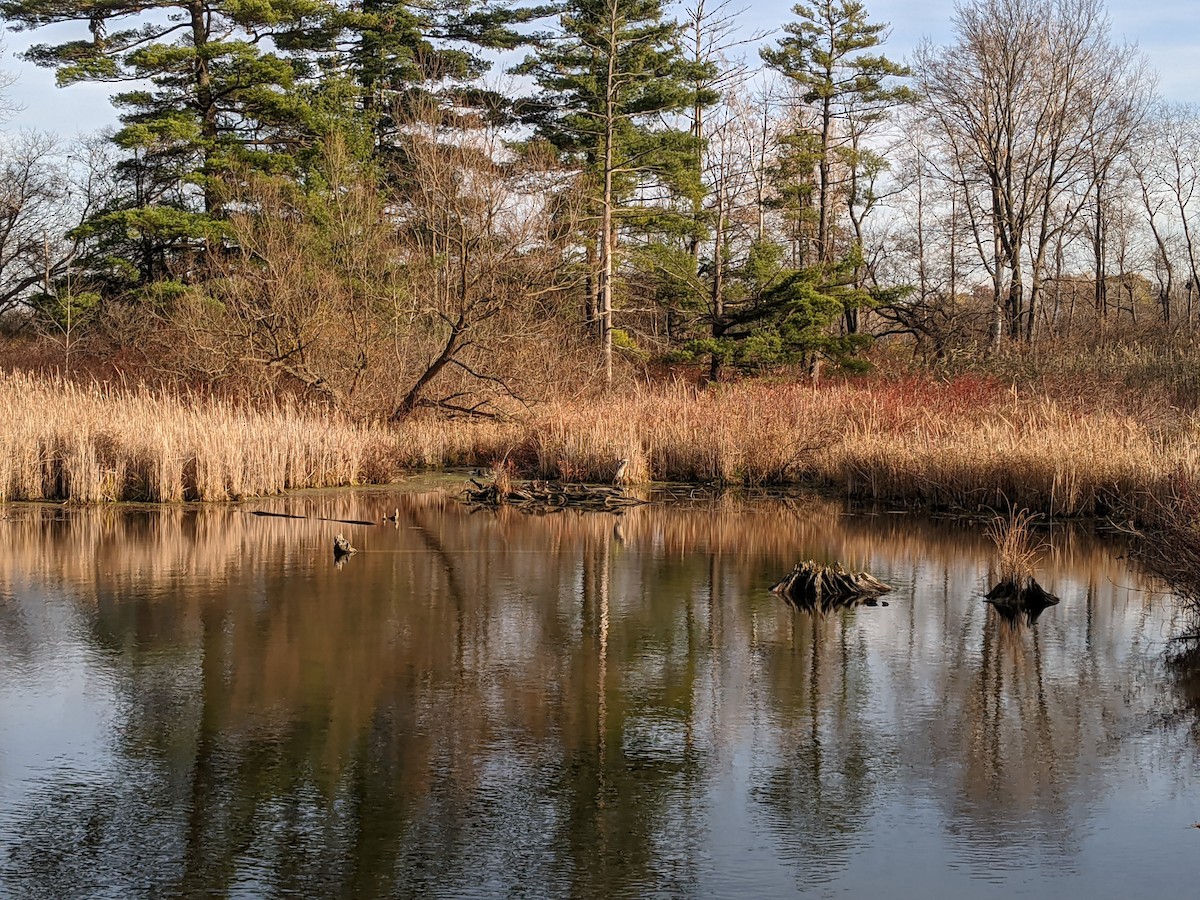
(1022, 599)
(812, 586)
(341, 551)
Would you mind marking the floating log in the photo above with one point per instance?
(812, 586)
(542, 496)
(279, 515)
(1023, 599)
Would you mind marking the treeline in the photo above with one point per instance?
(391, 205)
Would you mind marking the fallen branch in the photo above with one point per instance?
(549, 496)
(279, 515)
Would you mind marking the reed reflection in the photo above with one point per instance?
(600, 706)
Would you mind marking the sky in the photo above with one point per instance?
(1167, 31)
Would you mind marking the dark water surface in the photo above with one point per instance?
(196, 702)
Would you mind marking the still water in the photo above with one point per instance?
(197, 702)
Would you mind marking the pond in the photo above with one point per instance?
(195, 701)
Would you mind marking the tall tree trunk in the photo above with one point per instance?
(1016, 297)
(1101, 276)
(591, 289)
(824, 239)
(198, 20)
(953, 249)
(1166, 290)
(997, 326)
(697, 132)
(606, 220)
(718, 284)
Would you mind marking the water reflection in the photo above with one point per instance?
(1016, 615)
(197, 702)
(1183, 664)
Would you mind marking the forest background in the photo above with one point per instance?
(569, 235)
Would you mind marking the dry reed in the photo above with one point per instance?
(64, 441)
(971, 443)
(1016, 545)
(1170, 545)
(502, 476)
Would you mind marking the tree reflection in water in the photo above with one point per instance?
(1183, 664)
(502, 703)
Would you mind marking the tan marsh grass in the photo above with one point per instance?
(1016, 545)
(65, 441)
(969, 443)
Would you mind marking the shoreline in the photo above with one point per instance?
(969, 446)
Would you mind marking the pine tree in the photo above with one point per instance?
(216, 91)
(608, 85)
(401, 54)
(776, 314)
(213, 83)
(826, 56)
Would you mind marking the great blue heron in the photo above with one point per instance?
(622, 466)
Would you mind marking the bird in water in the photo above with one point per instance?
(622, 468)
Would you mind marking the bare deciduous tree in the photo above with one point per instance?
(1035, 102)
(382, 294)
(35, 202)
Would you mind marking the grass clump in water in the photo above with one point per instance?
(1018, 549)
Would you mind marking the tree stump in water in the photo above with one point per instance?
(1024, 598)
(341, 547)
(812, 586)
